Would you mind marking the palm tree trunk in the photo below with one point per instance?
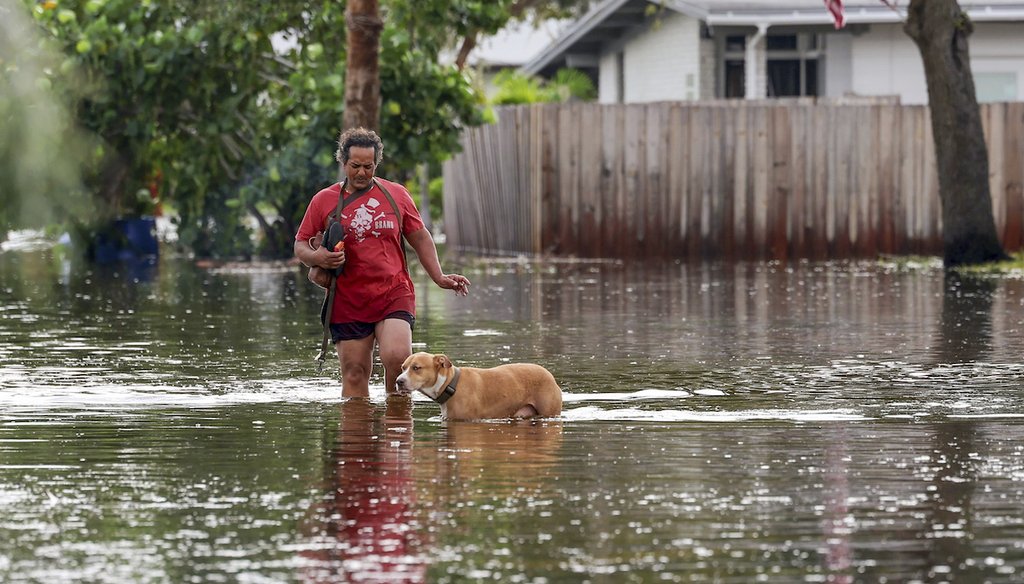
(362, 77)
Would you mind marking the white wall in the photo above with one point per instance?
(708, 69)
(668, 62)
(662, 63)
(997, 53)
(608, 79)
(886, 62)
(838, 65)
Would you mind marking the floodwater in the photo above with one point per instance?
(849, 422)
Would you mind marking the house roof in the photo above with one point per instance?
(754, 12)
(516, 44)
(606, 21)
(609, 20)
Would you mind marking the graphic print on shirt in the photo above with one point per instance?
(367, 220)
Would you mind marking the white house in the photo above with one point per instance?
(669, 50)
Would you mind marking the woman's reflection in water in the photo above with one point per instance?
(365, 526)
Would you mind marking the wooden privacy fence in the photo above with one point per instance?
(720, 179)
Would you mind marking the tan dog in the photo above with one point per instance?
(516, 390)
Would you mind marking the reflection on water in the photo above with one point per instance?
(966, 322)
(364, 528)
(723, 423)
(499, 458)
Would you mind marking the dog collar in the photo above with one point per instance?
(449, 389)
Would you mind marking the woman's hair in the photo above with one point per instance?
(360, 138)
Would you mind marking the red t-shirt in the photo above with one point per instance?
(375, 281)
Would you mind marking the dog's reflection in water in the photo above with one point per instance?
(364, 528)
(501, 457)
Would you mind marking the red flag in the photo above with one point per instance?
(836, 8)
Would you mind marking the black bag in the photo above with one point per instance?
(334, 235)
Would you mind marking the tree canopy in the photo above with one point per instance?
(230, 111)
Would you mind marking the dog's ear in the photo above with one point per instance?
(442, 361)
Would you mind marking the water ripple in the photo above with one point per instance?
(591, 413)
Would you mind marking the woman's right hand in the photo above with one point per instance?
(328, 259)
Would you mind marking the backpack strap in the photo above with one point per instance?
(398, 214)
(328, 305)
(343, 202)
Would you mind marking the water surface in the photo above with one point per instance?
(851, 422)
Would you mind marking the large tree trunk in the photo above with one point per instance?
(362, 77)
(940, 30)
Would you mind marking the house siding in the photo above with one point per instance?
(996, 48)
(838, 66)
(608, 79)
(668, 60)
(884, 61)
(662, 64)
(708, 68)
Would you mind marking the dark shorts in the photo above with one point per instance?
(350, 331)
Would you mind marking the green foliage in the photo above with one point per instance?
(433, 24)
(571, 84)
(1011, 267)
(231, 111)
(437, 25)
(425, 106)
(513, 87)
(165, 94)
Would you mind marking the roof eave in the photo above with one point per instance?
(581, 27)
(853, 16)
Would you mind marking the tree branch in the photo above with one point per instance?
(469, 42)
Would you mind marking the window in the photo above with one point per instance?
(792, 65)
(735, 43)
(735, 79)
(783, 78)
(781, 42)
(810, 77)
(996, 86)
